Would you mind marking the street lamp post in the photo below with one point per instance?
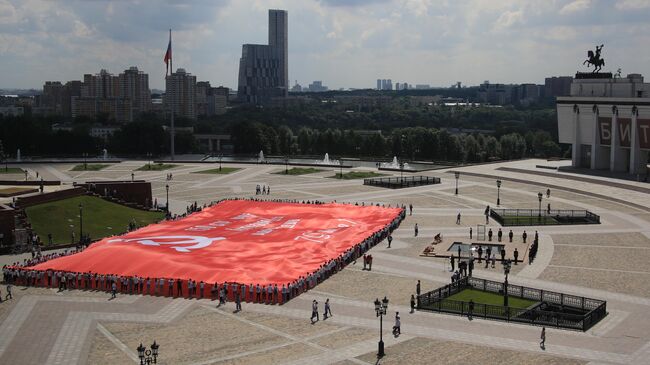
(539, 197)
(220, 158)
(506, 270)
(341, 167)
(457, 174)
(149, 156)
(286, 165)
(380, 309)
(81, 222)
(401, 170)
(85, 161)
(167, 204)
(148, 356)
(498, 192)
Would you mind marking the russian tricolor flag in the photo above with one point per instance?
(168, 54)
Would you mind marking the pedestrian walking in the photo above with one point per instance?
(237, 301)
(471, 309)
(470, 233)
(410, 209)
(9, 296)
(417, 288)
(499, 234)
(314, 311)
(390, 240)
(113, 290)
(458, 218)
(397, 328)
(510, 235)
(412, 303)
(516, 254)
(548, 193)
(416, 229)
(542, 343)
(524, 236)
(328, 310)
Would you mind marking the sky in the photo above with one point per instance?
(344, 43)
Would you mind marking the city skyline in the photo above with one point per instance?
(344, 43)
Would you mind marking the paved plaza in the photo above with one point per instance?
(608, 261)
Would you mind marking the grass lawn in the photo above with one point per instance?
(511, 220)
(90, 167)
(156, 167)
(482, 297)
(356, 175)
(223, 171)
(11, 170)
(299, 171)
(5, 192)
(100, 218)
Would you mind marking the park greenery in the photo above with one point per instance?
(484, 297)
(218, 171)
(403, 126)
(156, 167)
(298, 171)
(89, 167)
(101, 218)
(11, 170)
(356, 175)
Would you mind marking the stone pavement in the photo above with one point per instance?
(606, 261)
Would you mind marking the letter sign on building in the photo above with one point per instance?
(605, 129)
(624, 131)
(643, 130)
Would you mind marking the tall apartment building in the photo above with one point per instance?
(180, 94)
(134, 85)
(557, 86)
(210, 100)
(119, 98)
(264, 69)
(52, 97)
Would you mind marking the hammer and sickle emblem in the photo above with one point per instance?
(194, 242)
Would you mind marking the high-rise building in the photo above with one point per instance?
(278, 41)
(180, 94)
(210, 100)
(134, 85)
(378, 84)
(264, 69)
(557, 86)
(101, 85)
(52, 97)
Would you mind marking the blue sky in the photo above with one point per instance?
(345, 43)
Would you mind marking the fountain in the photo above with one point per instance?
(105, 155)
(260, 157)
(326, 161)
(394, 164)
(18, 155)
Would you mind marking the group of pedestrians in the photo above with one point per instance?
(263, 190)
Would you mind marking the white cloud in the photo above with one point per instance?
(632, 4)
(346, 43)
(508, 19)
(575, 6)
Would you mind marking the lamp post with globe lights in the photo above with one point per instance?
(381, 307)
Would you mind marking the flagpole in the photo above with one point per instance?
(173, 131)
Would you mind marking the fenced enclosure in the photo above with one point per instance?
(551, 309)
(541, 217)
(401, 182)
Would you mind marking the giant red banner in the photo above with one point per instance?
(234, 241)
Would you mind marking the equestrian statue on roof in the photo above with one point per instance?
(593, 58)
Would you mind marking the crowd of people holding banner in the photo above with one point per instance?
(20, 274)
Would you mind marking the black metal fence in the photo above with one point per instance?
(541, 217)
(401, 182)
(552, 309)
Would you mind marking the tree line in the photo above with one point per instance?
(403, 127)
